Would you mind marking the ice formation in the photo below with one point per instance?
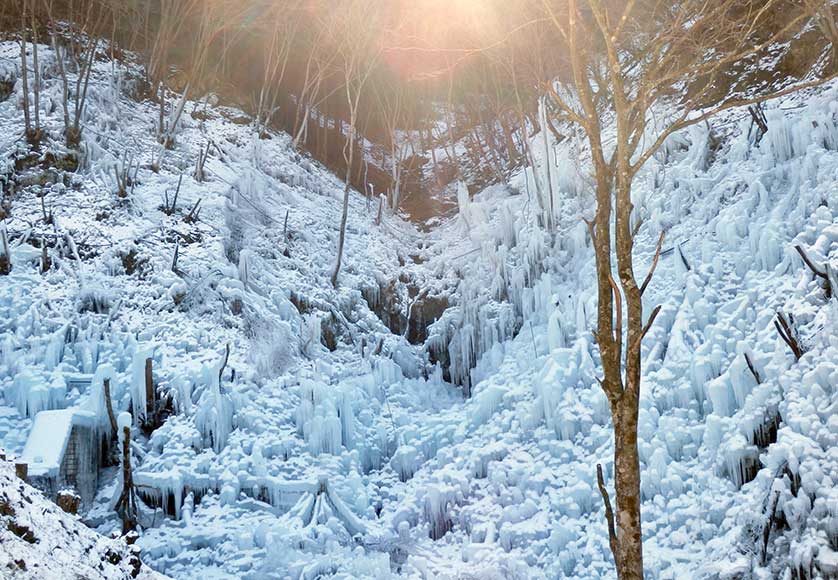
(329, 445)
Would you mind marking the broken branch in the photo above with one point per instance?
(787, 333)
(609, 513)
(654, 265)
(752, 368)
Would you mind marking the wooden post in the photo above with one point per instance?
(109, 404)
(126, 505)
(380, 210)
(149, 390)
(45, 261)
(21, 470)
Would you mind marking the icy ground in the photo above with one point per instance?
(330, 446)
(39, 541)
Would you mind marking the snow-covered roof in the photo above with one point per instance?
(48, 439)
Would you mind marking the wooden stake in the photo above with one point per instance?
(787, 333)
(109, 405)
(752, 368)
(224, 364)
(149, 389)
(380, 210)
(126, 506)
(822, 274)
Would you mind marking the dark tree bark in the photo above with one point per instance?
(109, 405)
(126, 506)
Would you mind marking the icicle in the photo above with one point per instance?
(138, 387)
(437, 505)
(214, 417)
(96, 402)
(463, 203)
(244, 267)
(405, 461)
(508, 226)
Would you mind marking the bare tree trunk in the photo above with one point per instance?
(24, 76)
(161, 113)
(360, 56)
(126, 506)
(82, 83)
(36, 81)
(345, 214)
(149, 391)
(65, 92)
(627, 487)
(548, 176)
(109, 405)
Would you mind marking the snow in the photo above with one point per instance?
(315, 451)
(48, 439)
(40, 541)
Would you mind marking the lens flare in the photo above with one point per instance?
(431, 38)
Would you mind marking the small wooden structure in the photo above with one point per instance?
(62, 451)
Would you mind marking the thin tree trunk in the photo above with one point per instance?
(126, 505)
(81, 90)
(161, 113)
(109, 405)
(59, 56)
(345, 214)
(149, 390)
(36, 81)
(548, 178)
(24, 78)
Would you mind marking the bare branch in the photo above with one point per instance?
(654, 265)
(788, 333)
(609, 512)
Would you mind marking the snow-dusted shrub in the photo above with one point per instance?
(234, 237)
(97, 300)
(5, 254)
(215, 413)
(273, 347)
(438, 503)
(310, 334)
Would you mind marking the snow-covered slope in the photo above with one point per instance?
(739, 469)
(39, 541)
(308, 365)
(328, 445)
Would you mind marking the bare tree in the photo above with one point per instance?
(626, 60)
(284, 24)
(319, 66)
(162, 30)
(212, 19)
(825, 21)
(36, 74)
(82, 35)
(360, 55)
(24, 74)
(392, 108)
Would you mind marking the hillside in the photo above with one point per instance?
(313, 432)
(41, 541)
